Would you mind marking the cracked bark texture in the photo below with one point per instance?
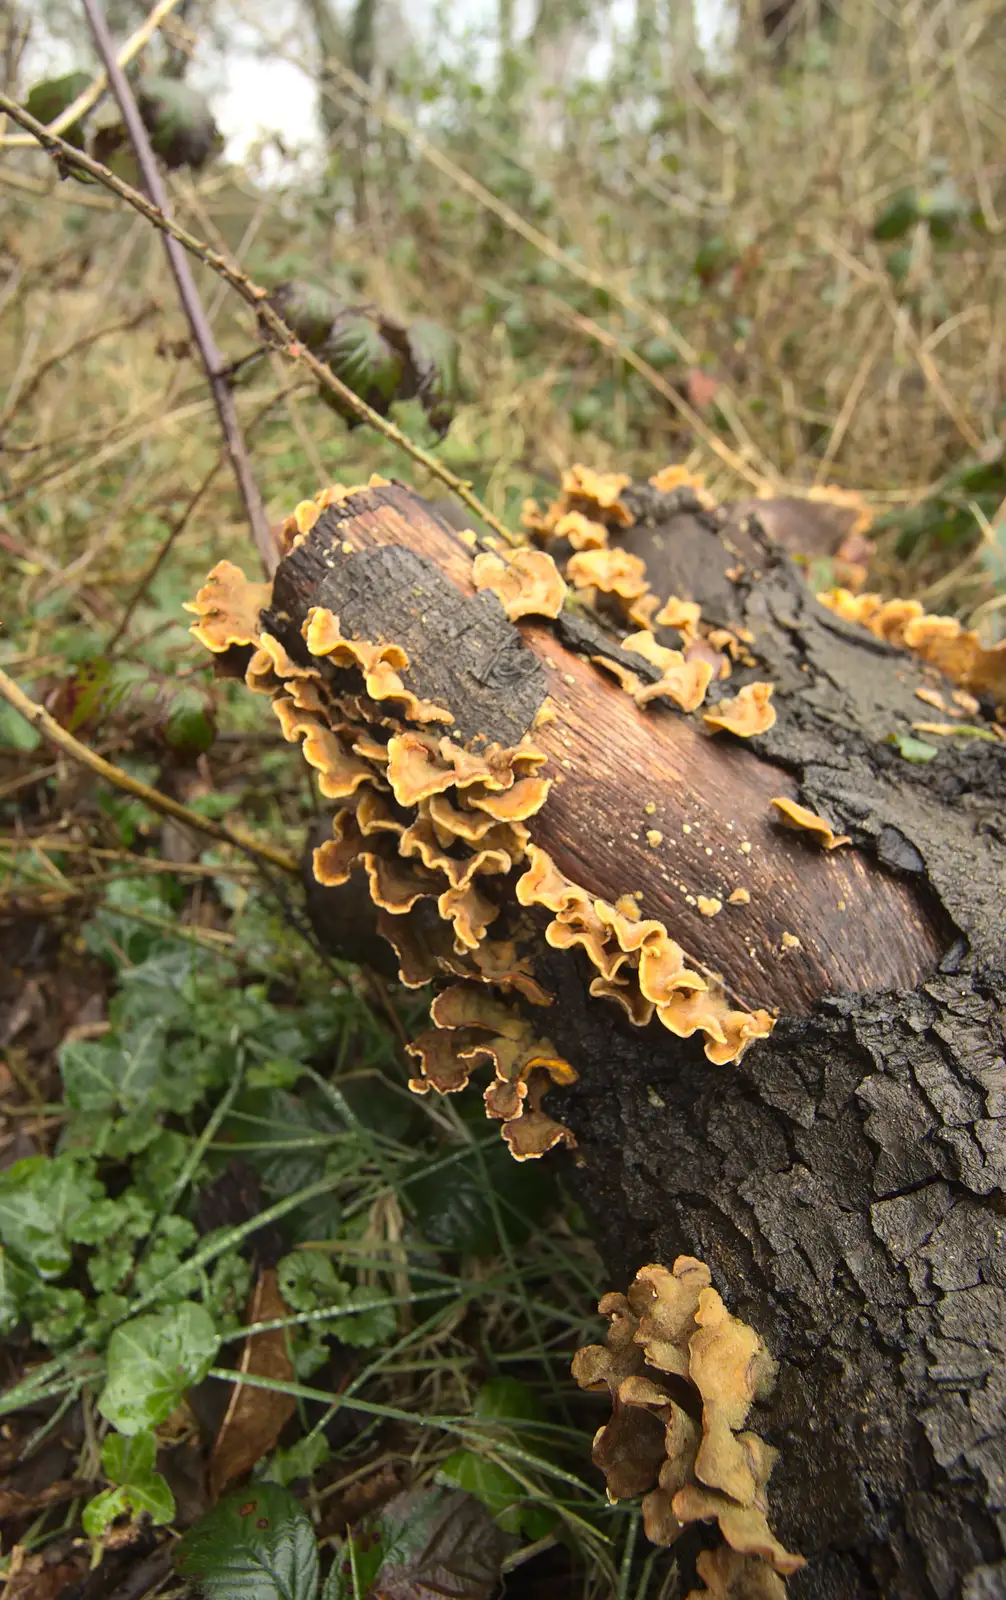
(845, 1180)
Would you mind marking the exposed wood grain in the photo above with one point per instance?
(859, 928)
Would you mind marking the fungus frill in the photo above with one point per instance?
(305, 514)
(588, 505)
(380, 664)
(747, 714)
(729, 1576)
(431, 824)
(639, 964)
(683, 681)
(525, 582)
(793, 815)
(683, 1375)
(941, 641)
(228, 607)
(470, 1027)
(668, 479)
(611, 571)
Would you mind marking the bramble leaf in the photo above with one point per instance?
(47, 100)
(424, 1542)
(257, 1544)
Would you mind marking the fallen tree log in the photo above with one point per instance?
(681, 881)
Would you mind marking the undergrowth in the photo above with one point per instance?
(211, 1159)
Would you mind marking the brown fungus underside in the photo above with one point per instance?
(466, 842)
(683, 1375)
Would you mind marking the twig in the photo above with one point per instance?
(180, 524)
(94, 91)
(123, 325)
(212, 359)
(47, 725)
(68, 158)
(610, 341)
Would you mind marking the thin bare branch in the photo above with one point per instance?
(213, 361)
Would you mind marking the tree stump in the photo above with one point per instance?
(842, 1174)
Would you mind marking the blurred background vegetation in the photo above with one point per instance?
(762, 239)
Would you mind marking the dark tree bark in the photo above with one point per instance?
(844, 1179)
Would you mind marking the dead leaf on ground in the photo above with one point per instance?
(30, 1577)
(255, 1417)
(15, 1504)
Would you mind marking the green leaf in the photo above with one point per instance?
(899, 263)
(359, 354)
(16, 732)
(510, 1403)
(308, 1282)
(123, 1458)
(300, 1460)
(660, 354)
(943, 206)
(423, 1543)
(509, 1400)
(179, 121)
(257, 1544)
(10, 1300)
(915, 750)
(152, 1361)
(128, 1072)
(189, 729)
(100, 1513)
(435, 354)
(900, 214)
(47, 100)
(308, 309)
(128, 1463)
(40, 1202)
(504, 1498)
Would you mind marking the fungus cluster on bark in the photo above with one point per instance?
(604, 828)
(943, 642)
(683, 1375)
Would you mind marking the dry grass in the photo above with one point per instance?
(835, 371)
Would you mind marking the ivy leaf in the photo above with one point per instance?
(127, 1072)
(423, 1543)
(129, 1465)
(40, 1201)
(257, 1544)
(47, 100)
(308, 1282)
(299, 1460)
(515, 1408)
(152, 1361)
(454, 1204)
(505, 1499)
(10, 1300)
(434, 354)
(943, 206)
